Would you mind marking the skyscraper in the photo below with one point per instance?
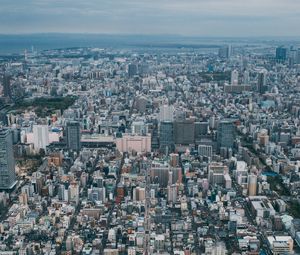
(166, 136)
(184, 132)
(262, 81)
(226, 134)
(281, 54)
(6, 85)
(7, 163)
(41, 137)
(225, 51)
(166, 113)
(234, 77)
(73, 136)
(132, 70)
(252, 184)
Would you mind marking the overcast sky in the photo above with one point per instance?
(182, 17)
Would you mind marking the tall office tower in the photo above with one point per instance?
(73, 136)
(246, 77)
(262, 81)
(40, 137)
(225, 51)
(172, 193)
(281, 54)
(6, 85)
(226, 134)
(184, 132)
(293, 57)
(298, 56)
(234, 77)
(7, 162)
(166, 137)
(166, 113)
(252, 185)
(154, 134)
(132, 70)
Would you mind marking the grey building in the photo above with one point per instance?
(184, 132)
(262, 82)
(201, 129)
(7, 162)
(166, 136)
(73, 136)
(6, 86)
(132, 70)
(226, 134)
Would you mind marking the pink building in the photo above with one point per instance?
(137, 143)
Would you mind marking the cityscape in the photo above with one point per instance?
(149, 144)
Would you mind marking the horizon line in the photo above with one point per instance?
(153, 35)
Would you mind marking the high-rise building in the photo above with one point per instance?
(40, 137)
(225, 51)
(234, 77)
(246, 77)
(132, 70)
(252, 185)
(172, 193)
(6, 86)
(201, 129)
(262, 81)
(166, 136)
(7, 163)
(205, 150)
(73, 136)
(281, 54)
(166, 113)
(184, 132)
(226, 134)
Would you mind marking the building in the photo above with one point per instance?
(205, 150)
(73, 136)
(134, 143)
(281, 54)
(7, 163)
(166, 113)
(262, 81)
(184, 132)
(132, 70)
(225, 51)
(40, 137)
(201, 129)
(252, 185)
(281, 244)
(172, 193)
(139, 128)
(239, 88)
(234, 78)
(261, 207)
(166, 136)
(218, 174)
(226, 134)
(6, 86)
(163, 174)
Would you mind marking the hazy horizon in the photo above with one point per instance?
(216, 18)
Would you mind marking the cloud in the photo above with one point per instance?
(188, 17)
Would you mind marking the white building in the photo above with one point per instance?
(40, 137)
